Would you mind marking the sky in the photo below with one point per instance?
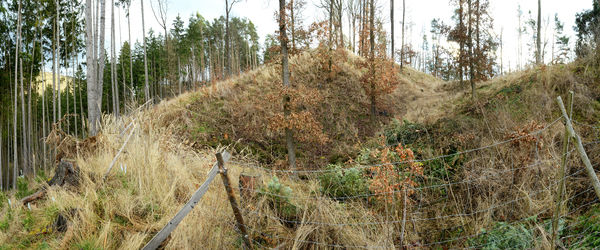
(419, 14)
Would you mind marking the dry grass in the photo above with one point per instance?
(174, 144)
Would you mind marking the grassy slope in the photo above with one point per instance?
(169, 156)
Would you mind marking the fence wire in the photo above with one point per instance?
(363, 166)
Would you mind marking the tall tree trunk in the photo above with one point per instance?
(82, 115)
(30, 157)
(146, 87)
(93, 100)
(330, 39)
(392, 29)
(73, 78)
(179, 73)
(461, 44)
(58, 60)
(538, 51)
(44, 131)
(113, 65)
(25, 155)
(501, 51)
(227, 42)
(15, 143)
(1, 163)
(470, 44)
(54, 58)
(102, 57)
(402, 43)
(293, 26)
(130, 53)
(372, 58)
(285, 75)
(340, 13)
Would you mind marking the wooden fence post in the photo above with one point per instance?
(561, 177)
(232, 201)
(166, 231)
(586, 161)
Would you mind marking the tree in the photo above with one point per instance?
(95, 67)
(146, 87)
(402, 46)
(228, 7)
(285, 76)
(15, 143)
(520, 31)
(538, 51)
(562, 42)
(438, 30)
(472, 31)
(587, 27)
(392, 29)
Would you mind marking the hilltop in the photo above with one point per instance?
(174, 143)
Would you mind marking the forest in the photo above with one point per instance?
(347, 128)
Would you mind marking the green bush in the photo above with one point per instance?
(343, 182)
(587, 230)
(403, 132)
(278, 196)
(23, 188)
(3, 199)
(505, 236)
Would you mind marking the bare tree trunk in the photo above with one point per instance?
(293, 26)
(402, 43)
(227, 38)
(1, 163)
(470, 44)
(392, 28)
(25, 155)
(179, 73)
(15, 143)
(501, 51)
(113, 66)
(74, 79)
(44, 131)
(146, 87)
(30, 157)
(102, 57)
(538, 51)
(58, 58)
(130, 52)
(54, 74)
(285, 75)
(372, 58)
(92, 90)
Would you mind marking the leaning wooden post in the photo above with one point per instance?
(232, 201)
(187, 208)
(586, 161)
(561, 176)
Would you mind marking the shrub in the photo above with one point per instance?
(343, 182)
(278, 196)
(23, 188)
(403, 132)
(504, 236)
(587, 230)
(393, 170)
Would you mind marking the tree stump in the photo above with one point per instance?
(248, 184)
(66, 174)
